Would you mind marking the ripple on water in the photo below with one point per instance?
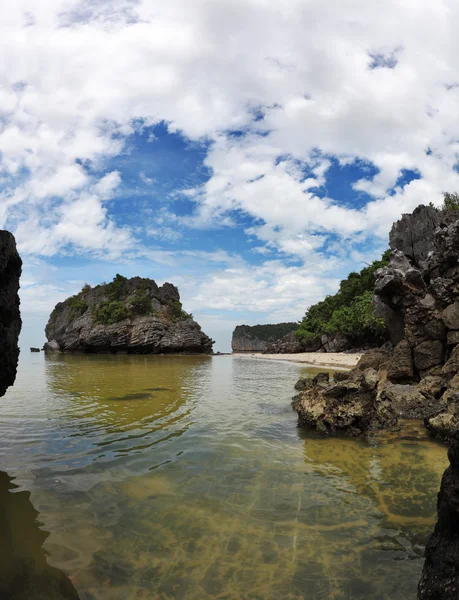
(186, 477)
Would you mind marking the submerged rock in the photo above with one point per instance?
(10, 318)
(127, 315)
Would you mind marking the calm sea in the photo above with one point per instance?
(160, 478)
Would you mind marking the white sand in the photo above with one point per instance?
(316, 359)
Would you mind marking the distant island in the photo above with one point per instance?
(257, 338)
(130, 316)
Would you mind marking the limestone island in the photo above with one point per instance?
(128, 316)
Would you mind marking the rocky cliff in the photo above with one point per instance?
(418, 296)
(126, 316)
(258, 338)
(10, 318)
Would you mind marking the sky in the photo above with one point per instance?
(250, 152)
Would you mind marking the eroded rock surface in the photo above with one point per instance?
(127, 316)
(10, 318)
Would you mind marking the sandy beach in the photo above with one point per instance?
(339, 360)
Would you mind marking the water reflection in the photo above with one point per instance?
(186, 478)
(24, 571)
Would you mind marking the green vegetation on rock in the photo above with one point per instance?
(350, 311)
(110, 312)
(450, 201)
(177, 312)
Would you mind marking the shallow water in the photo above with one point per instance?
(186, 478)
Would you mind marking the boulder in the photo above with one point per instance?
(450, 316)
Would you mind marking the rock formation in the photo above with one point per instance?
(126, 316)
(440, 576)
(10, 318)
(418, 296)
(259, 338)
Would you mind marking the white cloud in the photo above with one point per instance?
(277, 88)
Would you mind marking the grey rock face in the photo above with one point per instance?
(10, 318)
(158, 326)
(414, 234)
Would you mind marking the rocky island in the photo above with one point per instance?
(134, 316)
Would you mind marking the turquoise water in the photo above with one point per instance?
(162, 478)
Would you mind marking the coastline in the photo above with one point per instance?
(339, 360)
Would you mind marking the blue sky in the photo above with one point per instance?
(250, 152)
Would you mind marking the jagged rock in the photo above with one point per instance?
(127, 316)
(428, 354)
(401, 365)
(440, 574)
(414, 233)
(346, 406)
(10, 318)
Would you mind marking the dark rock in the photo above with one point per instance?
(150, 319)
(401, 365)
(428, 354)
(340, 375)
(321, 378)
(10, 318)
(393, 319)
(304, 384)
(440, 574)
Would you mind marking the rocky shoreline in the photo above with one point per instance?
(416, 375)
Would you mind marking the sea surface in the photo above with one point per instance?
(160, 478)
